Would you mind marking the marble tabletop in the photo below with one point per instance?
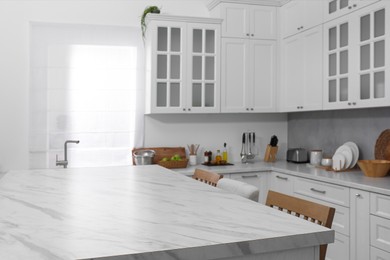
(142, 212)
(353, 179)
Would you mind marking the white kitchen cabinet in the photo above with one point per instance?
(302, 60)
(338, 8)
(380, 225)
(360, 224)
(281, 182)
(183, 64)
(247, 21)
(356, 60)
(377, 254)
(339, 250)
(300, 15)
(248, 75)
(258, 180)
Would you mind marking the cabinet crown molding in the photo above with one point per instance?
(188, 19)
(214, 3)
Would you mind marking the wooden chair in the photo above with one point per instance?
(310, 211)
(207, 177)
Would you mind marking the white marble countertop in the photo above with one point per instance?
(143, 212)
(354, 179)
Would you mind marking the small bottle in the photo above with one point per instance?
(224, 153)
(218, 157)
(206, 157)
(210, 154)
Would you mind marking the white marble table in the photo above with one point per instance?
(143, 212)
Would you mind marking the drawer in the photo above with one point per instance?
(341, 217)
(380, 205)
(339, 250)
(282, 183)
(380, 233)
(377, 254)
(323, 191)
(256, 179)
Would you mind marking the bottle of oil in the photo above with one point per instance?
(224, 153)
(218, 157)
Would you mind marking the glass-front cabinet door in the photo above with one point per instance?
(169, 75)
(373, 67)
(338, 61)
(356, 59)
(338, 8)
(182, 64)
(203, 73)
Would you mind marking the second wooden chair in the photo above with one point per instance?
(311, 211)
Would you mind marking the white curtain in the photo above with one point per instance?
(87, 84)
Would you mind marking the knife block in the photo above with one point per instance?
(270, 153)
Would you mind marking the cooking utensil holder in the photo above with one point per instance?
(270, 153)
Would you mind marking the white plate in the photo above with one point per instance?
(338, 161)
(355, 152)
(347, 152)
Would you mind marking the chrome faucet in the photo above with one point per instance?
(65, 161)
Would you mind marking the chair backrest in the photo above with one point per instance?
(207, 177)
(311, 211)
(240, 188)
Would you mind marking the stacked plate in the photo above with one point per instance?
(346, 156)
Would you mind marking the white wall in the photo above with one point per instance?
(15, 19)
(212, 130)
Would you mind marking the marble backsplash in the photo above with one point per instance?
(327, 130)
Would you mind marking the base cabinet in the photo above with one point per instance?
(377, 254)
(339, 250)
(360, 224)
(256, 179)
(282, 183)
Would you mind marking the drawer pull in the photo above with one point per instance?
(282, 178)
(319, 191)
(249, 176)
(358, 195)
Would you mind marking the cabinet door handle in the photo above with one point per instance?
(247, 109)
(189, 109)
(251, 109)
(358, 195)
(184, 109)
(282, 178)
(349, 7)
(349, 103)
(252, 34)
(318, 191)
(354, 103)
(249, 176)
(247, 34)
(354, 5)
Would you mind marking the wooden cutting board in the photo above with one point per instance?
(162, 152)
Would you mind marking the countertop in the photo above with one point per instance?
(143, 212)
(353, 179)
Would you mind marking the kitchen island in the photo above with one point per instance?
(143, 212)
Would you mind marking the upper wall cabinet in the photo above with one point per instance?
(300, 15)
(247, 21)
(301, 86)
(183, 64)
(248, 75)
(356, 59)
(338, 8)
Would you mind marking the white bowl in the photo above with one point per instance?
(326, 162)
